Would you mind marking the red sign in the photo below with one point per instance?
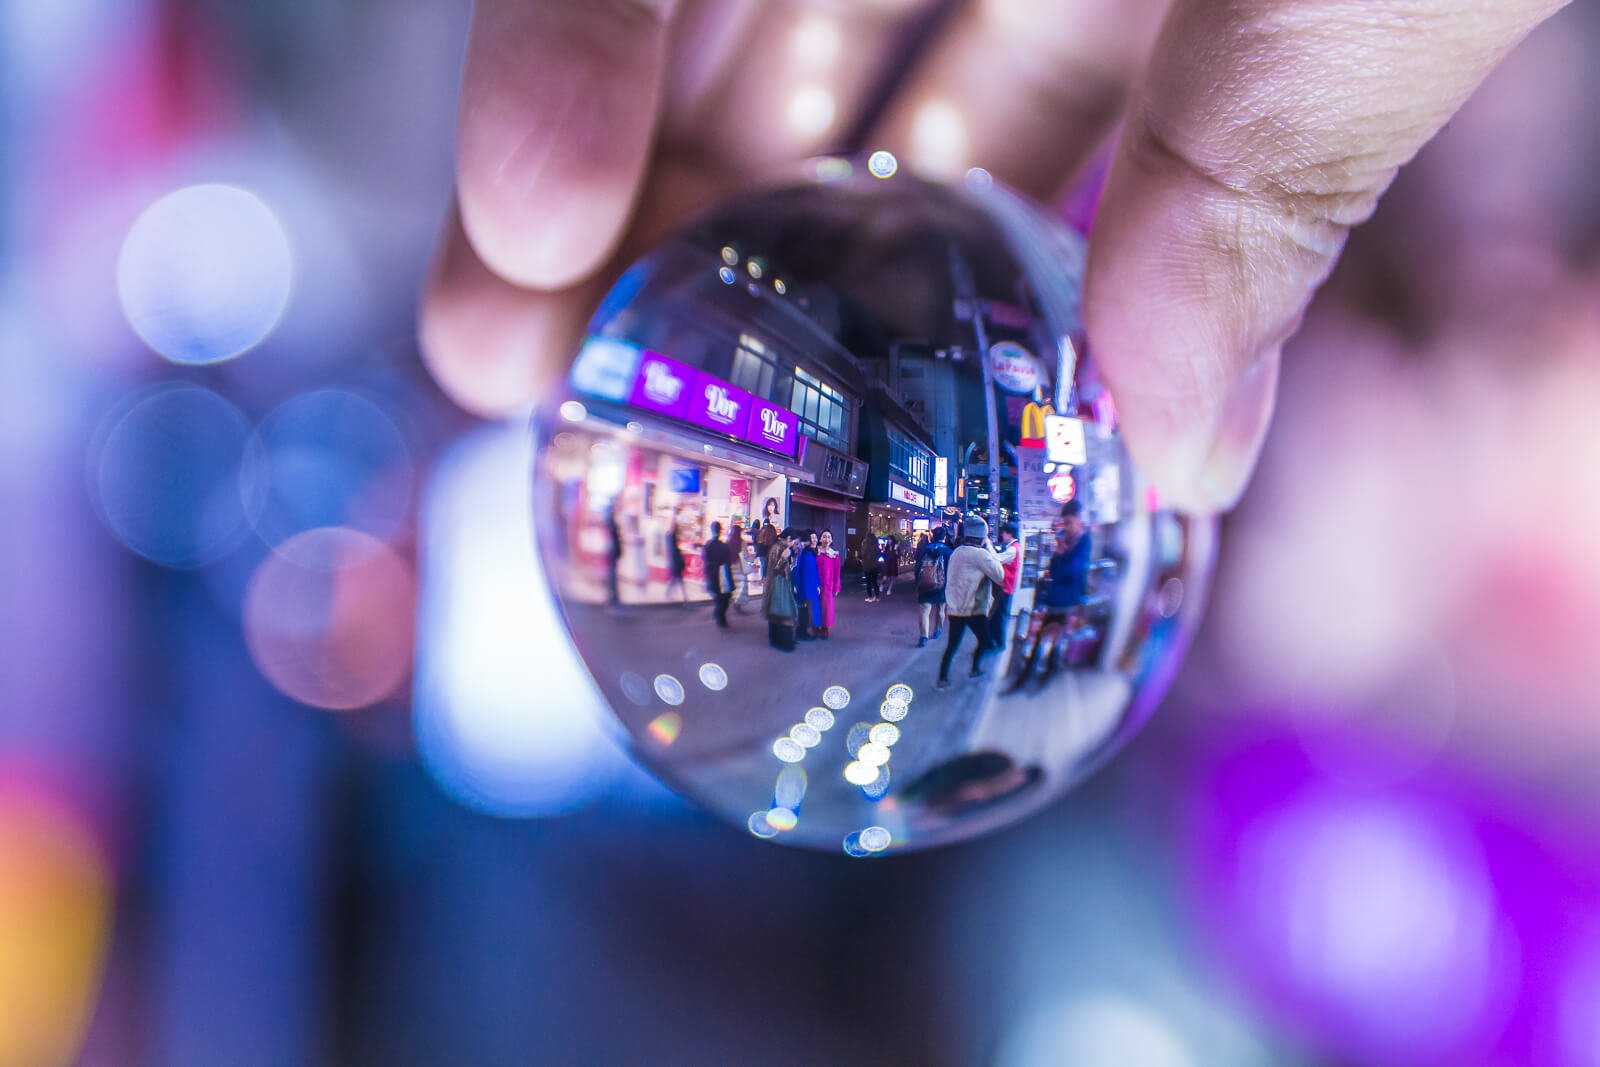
(1062, 487)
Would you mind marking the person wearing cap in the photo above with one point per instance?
(972, 567)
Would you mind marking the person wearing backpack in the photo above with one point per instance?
(973, 568)
(929, 572)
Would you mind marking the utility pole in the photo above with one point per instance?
(966, 291)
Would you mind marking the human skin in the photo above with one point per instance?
(1255, 134)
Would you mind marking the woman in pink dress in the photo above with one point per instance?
(828, 569)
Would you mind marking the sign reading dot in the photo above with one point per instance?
(884, 734)
(782, 819)
(900, 693)
(892, 712)
(836, 697)
(806, 734)
(819, 719)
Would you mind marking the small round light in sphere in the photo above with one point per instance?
(806, 734)
(858, 773)
(873, 753)
(788, 750)
(893, 430)
(820, 719)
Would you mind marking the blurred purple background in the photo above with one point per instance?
(284, 780)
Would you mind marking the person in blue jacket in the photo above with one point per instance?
(808, 587)
(1064, 590)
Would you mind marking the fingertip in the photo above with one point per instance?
(547, 247)
(558, 113)
(491, 346)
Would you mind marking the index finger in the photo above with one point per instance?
(559, 100)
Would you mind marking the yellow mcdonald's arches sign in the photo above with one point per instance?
(1033, 416)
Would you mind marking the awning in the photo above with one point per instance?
(820, 500)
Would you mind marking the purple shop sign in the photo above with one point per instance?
(718, 406)
(772, 427)
(663, 385)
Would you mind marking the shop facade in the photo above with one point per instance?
(665, 451)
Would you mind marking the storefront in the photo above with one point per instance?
(900, 458)
(672, 451)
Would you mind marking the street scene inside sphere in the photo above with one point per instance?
(840, 521)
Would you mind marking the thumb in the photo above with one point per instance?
(1265, 130)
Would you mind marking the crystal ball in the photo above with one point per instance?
(837, 514)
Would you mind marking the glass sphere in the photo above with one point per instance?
(837, 514)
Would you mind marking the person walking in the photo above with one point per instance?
(973, 567)
(929, 572)
(807, 587)
(719, 575)
(613, 557)
(676, 564)
(736, 543)
(1010, 554)
(829, 566)
(777, 598)
(891, 563)
(872, 566)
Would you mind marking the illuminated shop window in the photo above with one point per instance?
(909, 461)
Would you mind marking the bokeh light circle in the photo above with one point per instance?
(820, 719)
(788, 750)
(669, 689)
(205, 273)
(165, 473)
(330, 457)
(328, 619)
(713, 677)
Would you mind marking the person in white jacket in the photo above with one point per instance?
(973, 566)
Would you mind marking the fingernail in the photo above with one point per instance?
(1245, 418)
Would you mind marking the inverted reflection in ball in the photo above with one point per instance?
(895, 481)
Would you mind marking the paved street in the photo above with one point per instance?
(723, 750)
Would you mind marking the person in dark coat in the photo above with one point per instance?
(871, 565)
(807, 587)
(719, 575)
